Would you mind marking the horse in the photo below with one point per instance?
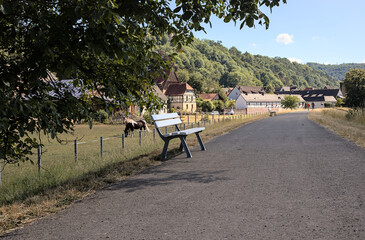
(130, 125)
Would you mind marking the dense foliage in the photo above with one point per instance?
(102, 45)
(337, 71)
(355, 88)
(206, 65)
(290, 102)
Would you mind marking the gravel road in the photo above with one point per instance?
(283, 177)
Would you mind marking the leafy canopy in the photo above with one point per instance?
(102, 46)
(355, 88)
(291, 102)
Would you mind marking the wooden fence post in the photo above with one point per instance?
(75, 143)
(154, 134)
(101, 147)
(123, 141)
(39, 160)
(140, 137)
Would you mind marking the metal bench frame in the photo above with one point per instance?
(173, 119)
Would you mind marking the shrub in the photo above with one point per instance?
(327, 105)
(100, 116)
(339, 102)
(147, 117)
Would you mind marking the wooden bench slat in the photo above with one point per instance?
(157, 117)
(185, 132)
(165, 123)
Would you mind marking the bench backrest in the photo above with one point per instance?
(165, 120)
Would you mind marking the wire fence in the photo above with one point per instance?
(94, 151)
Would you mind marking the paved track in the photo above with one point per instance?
(283, 177)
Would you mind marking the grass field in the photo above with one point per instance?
(345, 122)
(26, 195)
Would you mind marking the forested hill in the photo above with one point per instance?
(337, 71)
(206, 65)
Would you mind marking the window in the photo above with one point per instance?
(192, 107)
(187, 106)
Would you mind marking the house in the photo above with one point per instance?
(181, 97)
(166, 79)
(254, 103)
(238, 90)
(318, 100)
(285, 88)
(317, 97)
(210, 96)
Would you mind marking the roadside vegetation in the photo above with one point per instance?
(348, 123)
(26, 195)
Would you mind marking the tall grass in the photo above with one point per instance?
(58, 163)
(348, 123)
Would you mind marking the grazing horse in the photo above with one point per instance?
(130, 125)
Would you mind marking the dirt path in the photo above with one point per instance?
(283, 177)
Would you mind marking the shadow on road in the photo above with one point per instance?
(166, 177)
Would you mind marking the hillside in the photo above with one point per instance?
(336, 71)
(206, 65)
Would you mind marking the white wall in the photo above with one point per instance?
(241, 103)
(235, 93)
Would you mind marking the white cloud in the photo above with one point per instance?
(292, 59)
(363, 61)
(254, 45)
(315, 38)
(285, 38)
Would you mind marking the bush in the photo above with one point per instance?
(327, 105)
(339, 102)
(147, 117)
(100, 116)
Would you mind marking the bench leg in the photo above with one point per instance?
(200, 142)
(164, 151)
(183, 143)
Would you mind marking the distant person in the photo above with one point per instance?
(308, 106)
(312, 105)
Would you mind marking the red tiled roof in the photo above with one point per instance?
(175, 89)
(208, 96)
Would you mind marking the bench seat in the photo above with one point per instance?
(185, 132)
(173, 119)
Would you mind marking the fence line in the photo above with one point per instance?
(201, 122)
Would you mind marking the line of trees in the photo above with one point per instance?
(207, 65)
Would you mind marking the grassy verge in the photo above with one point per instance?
(25, 195)
(345, 122)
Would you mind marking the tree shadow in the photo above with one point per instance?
(166, 177)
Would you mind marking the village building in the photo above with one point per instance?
(317, 97)
(238, 90)
(166, 79)
(210, 96)
(319, 100)
(256, 103)
(181, 97)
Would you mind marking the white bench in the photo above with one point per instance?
(272, 113)
(173, 119)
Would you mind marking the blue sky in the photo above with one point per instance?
(322, 31)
